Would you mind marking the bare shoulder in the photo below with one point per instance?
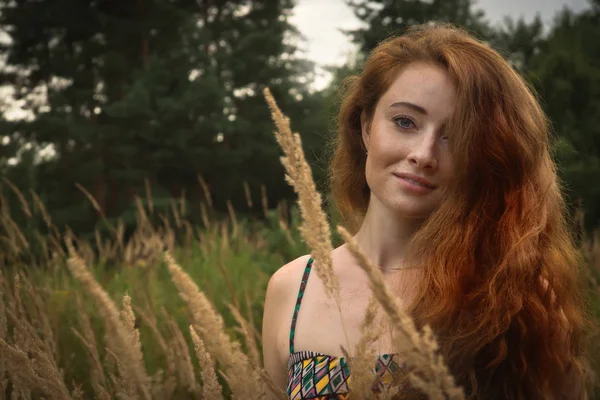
(287, 277)
(277, 314)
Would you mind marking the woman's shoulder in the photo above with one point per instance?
(279, 303)
(288, 276)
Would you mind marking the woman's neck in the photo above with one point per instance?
(383, 235)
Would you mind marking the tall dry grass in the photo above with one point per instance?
(195, 351)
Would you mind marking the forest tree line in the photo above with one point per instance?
(136, 99)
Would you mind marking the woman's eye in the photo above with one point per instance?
(403, 122)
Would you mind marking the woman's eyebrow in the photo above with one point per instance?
(415, 107)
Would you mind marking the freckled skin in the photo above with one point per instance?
(414, 143)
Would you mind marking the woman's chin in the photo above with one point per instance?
(406, 207)
(411, 212)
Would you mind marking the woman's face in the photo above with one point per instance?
(407, 136)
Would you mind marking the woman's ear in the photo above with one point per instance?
(365, 125)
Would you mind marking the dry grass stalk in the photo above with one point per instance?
(37, 202)
(182, 203)
(3, 291)
(14, 232)
(143, 222)
(22, 200)
(163, 387)
(128, 253)
(179, 347)
(77, 393)
(128, 319)
(389, 392)
(420, 350)
(264, 200)
(364, 354)
(39, 315)
(96, 206)
(280, 394)
(121, 387)
(149, 318)
(95, 378)
(314, 227)
(15, 301)
(214, 235)
(13, 247)
(176, 214)
(283, 212)
(189, 238)
(30, 360)
(99, 244)
(168, 240)
(211, 389)
(164, 220)
(58, 253)
(86, 252)
(3, 334)
(204, 214)
(283, 225)
(233, 218)
(4, 206)
(122, 339)
(19, 338)
(107, 249)
(205, 190)
(250, 318)
(224, 237)
(204, 242)
(120, 235)
(87, 337)
(247, 194)
(282, 218)
(27, 374)
(244, 329)
(21, 236)
(145, 247)
(44, 243)
(149, 195)
(209, 324)
(230, 288)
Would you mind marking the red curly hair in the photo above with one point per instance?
(501, 230)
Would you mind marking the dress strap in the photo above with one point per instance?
(299, 301)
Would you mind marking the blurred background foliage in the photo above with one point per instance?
(125, 96)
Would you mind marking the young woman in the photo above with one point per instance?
(442, 171)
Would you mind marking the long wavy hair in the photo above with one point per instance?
(500, 263)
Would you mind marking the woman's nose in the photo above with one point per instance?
(423, 153)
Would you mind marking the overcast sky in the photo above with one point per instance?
(320, 20)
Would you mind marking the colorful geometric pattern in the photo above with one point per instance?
(313, 375)
(317, 376)
(387, 369)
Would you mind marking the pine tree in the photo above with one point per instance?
(519, 41)
(384, 18)
(566, 73)
(157, 90)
